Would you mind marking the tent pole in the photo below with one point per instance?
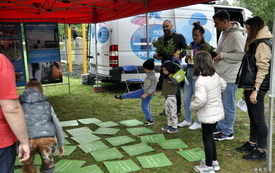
(271, 104)
(147, 31)
(96, 62)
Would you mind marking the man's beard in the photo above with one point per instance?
(167, 32)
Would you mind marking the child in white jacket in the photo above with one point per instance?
(208, 106)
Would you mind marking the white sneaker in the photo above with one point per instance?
(203, 168)
(215, 164)
(195, 126)
(184, 124)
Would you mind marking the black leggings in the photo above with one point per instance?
(209, 143)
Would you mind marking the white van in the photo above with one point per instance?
(123, 41)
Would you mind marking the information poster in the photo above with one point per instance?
(42, 44)
(11, 47)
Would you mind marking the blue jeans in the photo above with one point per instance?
(7, 159)
(189, 89)
(145, 103)
(226, 126)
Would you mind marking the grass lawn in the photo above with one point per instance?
(83, 102)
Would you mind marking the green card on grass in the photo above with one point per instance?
(130, 123)
(152, 138)
(194, 154)
(68, 150)
(137, 149)
(122, 166)
(65, 135)
(89, 120)
(119, 140)
(85, 138)
(139, 130)
(37, 161)
(68, 123)
(106, 124)
(79, 131)
(156, 160)
(86, 169)
(173, 144)
(106, 154)
(65, 165)
(106, 131)
(94, 146)
(66, 142)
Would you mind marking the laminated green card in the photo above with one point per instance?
(65, 135)
(66, 142)
(130, 123)
(179, 76)
(156, 160)
(139, 130)
(106, 124)
(89, 120)
(106, 131)
(122, 166)
(119, 140)
(152, 138)
(66, 165)
(85, 138)
(93, 146)
(137, 149)
(86, 169)
(173, 144)
(106, 154)
(68, 150)
(79, 131)
(194, 154)
(68, 123)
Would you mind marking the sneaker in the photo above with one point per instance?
(247, 147)
(195, 126)
(172, 130)
(220, 137)
(203, 168)
(166, 128)
(162, 114)
(118, 97)
(184, 124)
(255, 155)
(215, 164)
(216, 131)
(148, 122)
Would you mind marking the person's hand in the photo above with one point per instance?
(23, 152)
(156, 56)
(217, 58)
(187, 57)
(253, 97)
(60, 151)
(144, 96)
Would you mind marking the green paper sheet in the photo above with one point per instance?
(156, 160)
(65, 165)
(106, 131)
(107, 124)
(86, 169)
(130, 123)
(194, 154)
(94, 146)
(68, 150)
(66, 142)
(173, 144)
(122, 166)
(79, 131)
(68, 123)
(37, 161)
(152, 138)
(137, 149)
(139, 130)
(119, 140)
(89, 120)
(106, 154)
(85, 138)
(65, 135)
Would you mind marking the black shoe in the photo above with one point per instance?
(247, 147)
(255, 155)
(148, 122)
(216, 131)
(162, 114)
(118, 97)
(220, 136)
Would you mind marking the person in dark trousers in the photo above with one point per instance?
(254, 78)
(180, 46)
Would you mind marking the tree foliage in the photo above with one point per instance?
(262, 8)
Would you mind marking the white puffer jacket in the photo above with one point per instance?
(208, 102)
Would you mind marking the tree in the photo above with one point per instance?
(262, 8)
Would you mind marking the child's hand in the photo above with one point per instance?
(60, 151)
(170, 75)
(144, 96)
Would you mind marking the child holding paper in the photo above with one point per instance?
(208, 106)
(43, 125)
